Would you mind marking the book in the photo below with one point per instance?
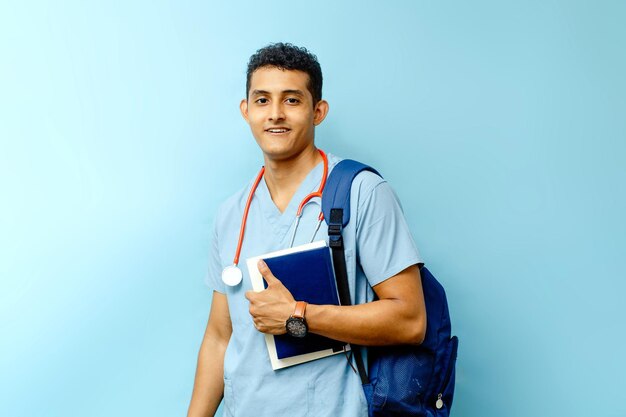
(307, 272)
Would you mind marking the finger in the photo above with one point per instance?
(258, 325)
(249, 295)
(267, 274)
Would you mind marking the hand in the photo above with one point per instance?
(271, 307)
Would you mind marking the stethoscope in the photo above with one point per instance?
(232, 275)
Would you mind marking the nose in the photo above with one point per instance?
(277, 112)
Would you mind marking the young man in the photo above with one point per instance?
(283, 105)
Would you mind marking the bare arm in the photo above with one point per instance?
(208, 388)
(398, 317)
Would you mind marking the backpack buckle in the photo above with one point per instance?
(335, 227)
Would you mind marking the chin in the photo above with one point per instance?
(278, 154)
(278, 148)
(279, 151)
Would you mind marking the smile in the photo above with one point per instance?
(277, 130)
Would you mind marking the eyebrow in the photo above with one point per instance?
(296, 92)
(263, 92)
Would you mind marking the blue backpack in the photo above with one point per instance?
(400, 380)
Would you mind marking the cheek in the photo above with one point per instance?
(255, 122)
(303, 121)
(255, 113)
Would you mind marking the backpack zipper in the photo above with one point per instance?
(439, 403)
(451, 365)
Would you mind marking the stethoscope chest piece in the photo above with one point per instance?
(231, 275)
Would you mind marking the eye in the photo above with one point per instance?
(292, 100)
(261, 100)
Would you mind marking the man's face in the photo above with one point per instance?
(280, 112)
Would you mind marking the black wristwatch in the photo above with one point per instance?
(296, 324)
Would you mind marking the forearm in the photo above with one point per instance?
(397, 317)
(381, 322)
(208, 388)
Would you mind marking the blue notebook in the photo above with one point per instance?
(309, 276)
(307, 272)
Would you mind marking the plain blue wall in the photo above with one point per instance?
(500, 124)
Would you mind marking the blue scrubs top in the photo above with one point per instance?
(378, 246)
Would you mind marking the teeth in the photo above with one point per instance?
(277, 130)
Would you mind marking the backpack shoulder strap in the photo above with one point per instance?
(337, 190)
(336, 209)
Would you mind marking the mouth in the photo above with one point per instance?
(277, 130)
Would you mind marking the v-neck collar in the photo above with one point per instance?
(282, 222)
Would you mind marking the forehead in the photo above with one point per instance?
(276, 80)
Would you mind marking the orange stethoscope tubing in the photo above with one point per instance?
(234, 269)
(244, 220)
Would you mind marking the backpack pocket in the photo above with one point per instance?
(400, 377)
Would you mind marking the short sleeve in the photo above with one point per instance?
(385, 246)
(213, 277)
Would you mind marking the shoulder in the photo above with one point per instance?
(364, 184)
(233, 206)
(235, 200)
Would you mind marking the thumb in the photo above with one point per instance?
(267, 274)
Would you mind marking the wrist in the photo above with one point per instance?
(296, 324)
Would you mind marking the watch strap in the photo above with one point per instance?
(299, 310)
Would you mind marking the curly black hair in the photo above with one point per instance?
(288, 57)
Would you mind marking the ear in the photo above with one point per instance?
(320, 112)
(243, 107)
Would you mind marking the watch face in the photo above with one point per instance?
(296, 327)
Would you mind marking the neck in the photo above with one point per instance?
(283, 177)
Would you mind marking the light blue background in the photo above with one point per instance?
(500, 124)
